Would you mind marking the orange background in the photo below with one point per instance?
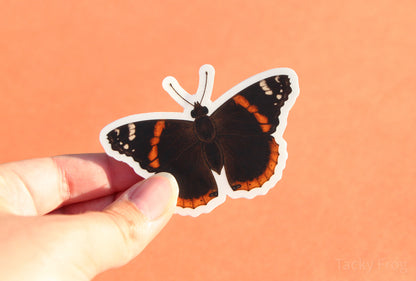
(347, 197)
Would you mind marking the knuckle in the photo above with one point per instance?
(129, 224)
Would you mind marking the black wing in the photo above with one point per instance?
(169, 146)
(244, 125)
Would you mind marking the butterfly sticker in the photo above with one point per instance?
(232, 147)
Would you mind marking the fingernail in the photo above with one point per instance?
(153, 195)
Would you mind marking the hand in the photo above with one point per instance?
(72, 217)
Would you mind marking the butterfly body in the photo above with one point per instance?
(237, 142)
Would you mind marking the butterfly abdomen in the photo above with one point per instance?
(205, 131)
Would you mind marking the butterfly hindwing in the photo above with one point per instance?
(195, 179)
(245, 124)
(168, 146)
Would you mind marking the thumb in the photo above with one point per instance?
(119, 233)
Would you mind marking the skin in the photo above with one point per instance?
(72, 217)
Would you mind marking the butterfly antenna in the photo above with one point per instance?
(205, 87)
(170, 84)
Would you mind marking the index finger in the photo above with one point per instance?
(38, 186)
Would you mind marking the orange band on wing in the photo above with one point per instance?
(263, 120)
(267, 174)
(196, 202)
(154, 141)
(241, 101)
(155, 163)
(153, 155)
(159, 126)
(252, 109)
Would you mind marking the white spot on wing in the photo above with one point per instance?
(131, 126)
(265, 88)
(117, 131)
(278, 96)
(132, 131)
(126, 146)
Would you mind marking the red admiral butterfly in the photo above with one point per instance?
(241, 140)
